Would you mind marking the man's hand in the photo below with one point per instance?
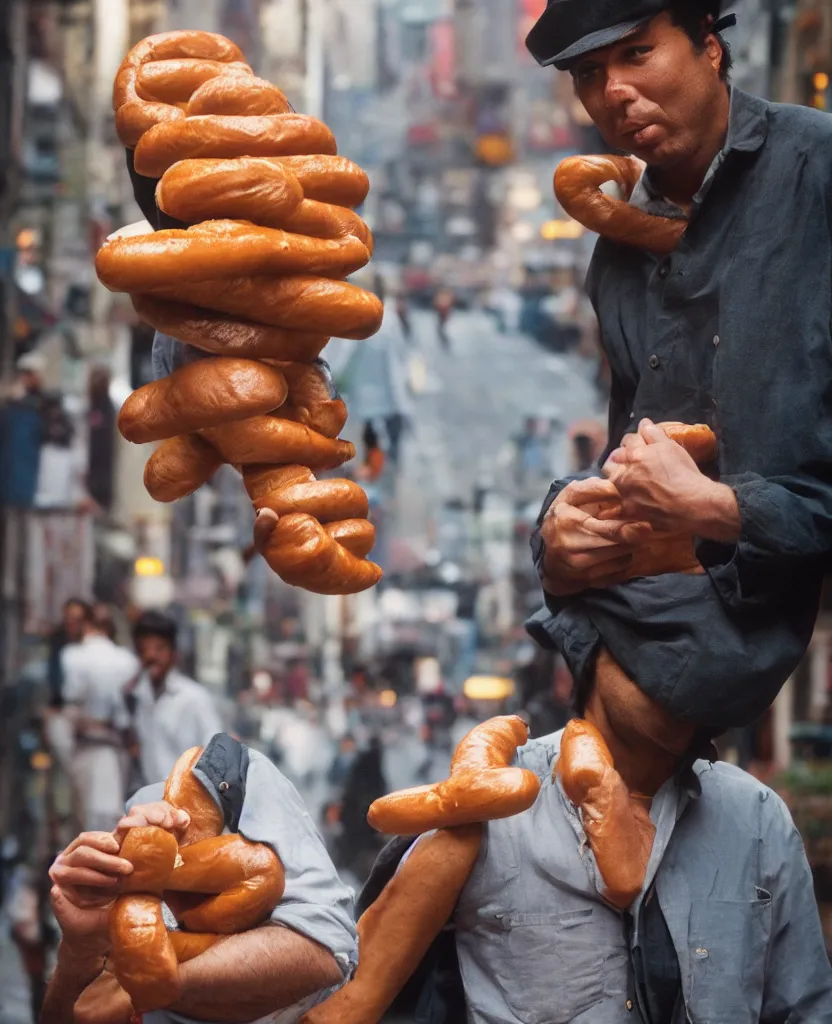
(161, 814)
(588, 542)
(660, 484)
(86, 877)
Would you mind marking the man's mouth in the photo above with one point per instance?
(643, 134)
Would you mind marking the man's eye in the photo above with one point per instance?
(585, 73)
(637, 51)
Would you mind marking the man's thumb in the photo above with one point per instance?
(651, 433)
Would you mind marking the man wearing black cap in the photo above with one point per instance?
(731, 330)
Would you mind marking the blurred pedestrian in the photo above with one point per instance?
(101, 438)
(171, 712)
(403, 312)
(95, 673)
(359, 843)
(443, 303)
(373, 465)
(103, 615)
(70, 631)
(342, 762)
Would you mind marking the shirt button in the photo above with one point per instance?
(654, 362)
(664, 269)
(716, 340)
(629, 1005)
(223, 787)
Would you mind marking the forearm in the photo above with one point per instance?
(75, 970)
(250, 975)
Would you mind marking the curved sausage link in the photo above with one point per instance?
(578, 182)
(482, 786)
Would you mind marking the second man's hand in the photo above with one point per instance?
(588, 543)
(660, 484)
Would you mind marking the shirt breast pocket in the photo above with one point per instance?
(556, 966)
(729, 946)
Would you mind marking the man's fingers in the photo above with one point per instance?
(616, 531)
(67, 876)
(104, 841)
(105, 863)
(582, 492)
(651, 434)
(264, 526)
(632, 441)
(160, 815)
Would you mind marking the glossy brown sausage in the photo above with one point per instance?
(578, 182)
(617, 825)
(482, 786)
(179, 467)
(210, 391)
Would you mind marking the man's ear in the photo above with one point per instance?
(713, 48)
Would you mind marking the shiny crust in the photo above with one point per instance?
(215, 884)
(180, 466)
(195, 396)
(396, 931)
(256, 275)
(578, 182)
(246, 881)
(184, 791)
(142, 956)
(481, 787)
(617, 825)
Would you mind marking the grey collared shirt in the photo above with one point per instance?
(315, 903)
(538, 945)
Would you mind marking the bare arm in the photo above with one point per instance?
(247, 976)
(78, 966)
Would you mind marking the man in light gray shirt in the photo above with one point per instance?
(272, 974)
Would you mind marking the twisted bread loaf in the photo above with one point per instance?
(253, 280)
(215, 884)
(482, 785)
(578, 184)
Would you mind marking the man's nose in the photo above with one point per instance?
(617, 91)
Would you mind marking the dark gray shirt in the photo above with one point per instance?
(732, 330)
(538, 945)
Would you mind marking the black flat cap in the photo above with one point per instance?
(568, 29)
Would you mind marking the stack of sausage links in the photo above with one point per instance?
(216, 885)
(255, 280)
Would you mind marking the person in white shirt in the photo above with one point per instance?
(171, 713)
(95, 673)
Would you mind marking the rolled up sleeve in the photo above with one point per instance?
(315, 903)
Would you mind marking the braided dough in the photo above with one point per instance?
(255, 281)
(215, 885)
(482, 785)
(578, 182)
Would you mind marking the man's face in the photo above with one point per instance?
(73, 622)
(156, 656)
(651, 94)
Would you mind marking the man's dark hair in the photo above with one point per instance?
(696, 19)
(79, 602)
(155, 624)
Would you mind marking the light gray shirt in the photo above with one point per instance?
(184, 715)
(315, 903)
(538, 945)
